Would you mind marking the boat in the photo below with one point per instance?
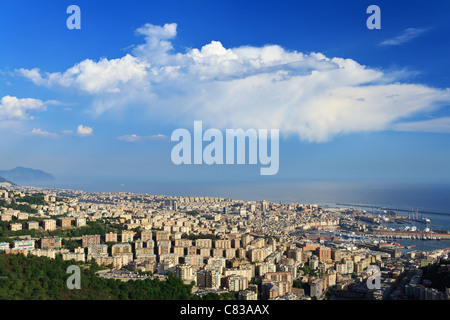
(426, 220)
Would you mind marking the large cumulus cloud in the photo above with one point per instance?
(306, 94)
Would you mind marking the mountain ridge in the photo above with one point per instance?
(22, 174)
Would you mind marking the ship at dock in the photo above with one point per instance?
(425, 234)
(414, 216)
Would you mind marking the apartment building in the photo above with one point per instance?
(185, 272)
(51, 243)
(203, 243)
(23, 245)
(15, 226)
(316, 287)
(162, 236)
(88, 240)
(77, 256)
(194, 260)
(183, 243)
(80, 222)
(32, 225)
(65, 223)
(223, 244)
(146, 235)
(163, 247)
(208, 279)
(120, 249)
(236, 283)
(111, 237)
(97, 249)
(127, 236)
(49, 225)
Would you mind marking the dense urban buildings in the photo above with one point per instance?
(258, 249)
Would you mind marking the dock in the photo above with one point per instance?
(424, 235)
(390, 209)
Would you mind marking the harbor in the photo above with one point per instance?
(390, 209)
(374, 226)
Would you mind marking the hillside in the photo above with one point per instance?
(21, 174)
(3, 180)
(42, 278)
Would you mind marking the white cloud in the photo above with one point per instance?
(130, 138)
(156, 46)
(84, 131)
(43, 133)
(158, 136)
(407, 35)
(306, 94)
(432, 125)
(136, 138)
(93, 77)
(13, 108)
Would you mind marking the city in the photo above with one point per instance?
(255, 250)
(224, 158)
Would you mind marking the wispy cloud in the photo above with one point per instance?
(42, 133)
(130, 138)
(407, 35)
(136, 138)
(441, 125)
(82, 131)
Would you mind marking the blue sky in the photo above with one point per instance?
(99, 104)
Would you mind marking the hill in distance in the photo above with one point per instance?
(21, 174)
(3, 180)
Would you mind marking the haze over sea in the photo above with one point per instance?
(407, 196)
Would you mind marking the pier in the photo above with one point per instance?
(390, 209)
(430, 235)
(390, 217)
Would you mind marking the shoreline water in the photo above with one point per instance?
(423, 196)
